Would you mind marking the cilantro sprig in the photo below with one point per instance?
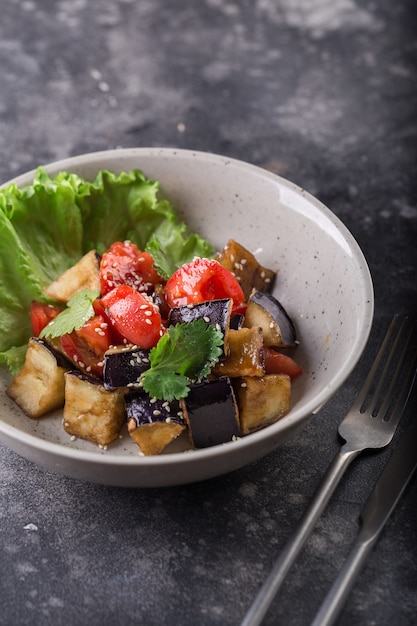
(79, 310)
(185, 353)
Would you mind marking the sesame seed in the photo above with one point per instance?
(148, 321)
(168, 420)
(148, 312)
(73, 438)
(243, 385)
(156, 412)
(144, 306)
(206, 319)
(152, 400)
(267, 280)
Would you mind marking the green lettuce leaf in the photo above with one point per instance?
(170, 247)
(47, 221)
(123, 206)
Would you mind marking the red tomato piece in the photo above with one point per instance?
(41, 314)
(202, 280)
(134, 316)
(87, 345)
(279, 363)
(124, 264)
(116, 337)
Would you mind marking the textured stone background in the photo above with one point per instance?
(322, 92)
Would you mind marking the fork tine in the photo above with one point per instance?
(361, 397)
(386, 355)
(392, 405)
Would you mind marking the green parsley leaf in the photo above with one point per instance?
(79, 310)
(187, 352)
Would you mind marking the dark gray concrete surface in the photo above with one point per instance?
(322, 92)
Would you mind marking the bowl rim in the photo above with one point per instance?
(296, 415)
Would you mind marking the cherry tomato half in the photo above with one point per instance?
(202, 280)
(87, 345)
(133, 315)
(279, 363)
(40, 315)
(124, 264)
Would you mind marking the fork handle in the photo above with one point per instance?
(336, 598)
(325, 490)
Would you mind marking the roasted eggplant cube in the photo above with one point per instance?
(153, 424)
(248, 271)
(124, 366)
(262, 401)
(92, 412)
(246, 355)
(265, 311)
(236, 321)
(211, 413)
(217, 312)
(39, 386)
(85, 274)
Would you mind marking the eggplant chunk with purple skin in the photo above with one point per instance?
(262, 401)
(39, 387)
(124, 365)
(211, 413)
(267, 313)
(92, 412)
(246, 357)
(153, 424)
(216, 312)
(245, 267)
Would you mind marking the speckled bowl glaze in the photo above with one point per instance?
(323, 282)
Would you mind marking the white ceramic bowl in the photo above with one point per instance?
(324, 283)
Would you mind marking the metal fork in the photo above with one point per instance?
(370, 424)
